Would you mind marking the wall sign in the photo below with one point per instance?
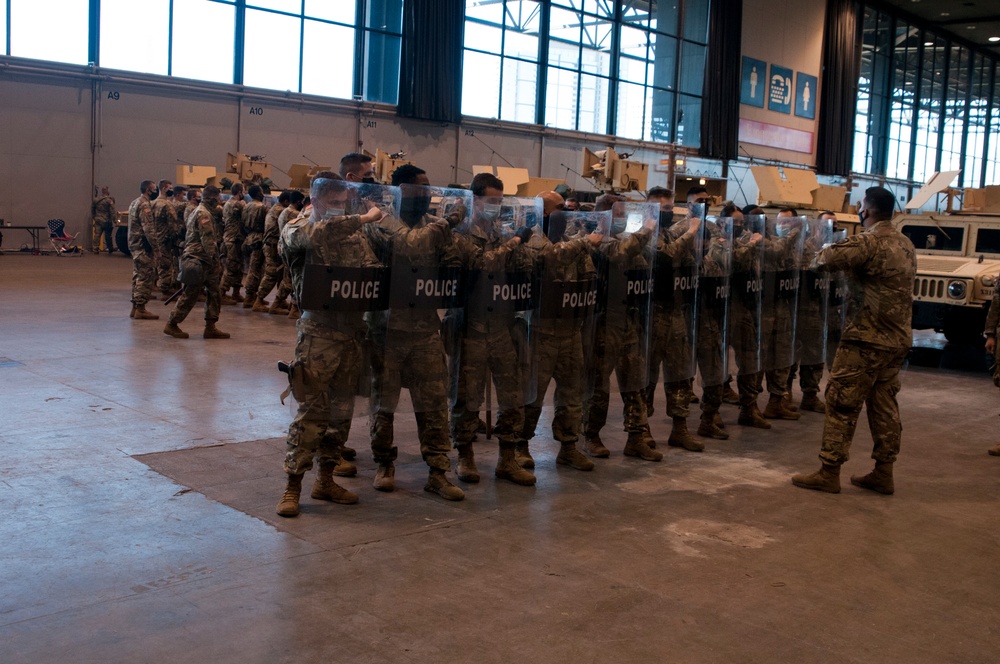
(779, 89)
(754, 85)
(805, 96)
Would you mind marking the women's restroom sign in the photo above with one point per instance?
(779, 90)
(805, 96)
(754, 85)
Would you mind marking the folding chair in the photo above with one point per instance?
(60, 241)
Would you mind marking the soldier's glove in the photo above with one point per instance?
(297, 378)
(456, 215)
(524, 234)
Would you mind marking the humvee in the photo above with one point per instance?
(958, 264)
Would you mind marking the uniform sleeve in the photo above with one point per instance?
(845, 255)
(145, 215)
(993, 317)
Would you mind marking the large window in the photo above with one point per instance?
(632, 69)
(53, 30)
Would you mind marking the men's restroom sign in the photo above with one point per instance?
(779, 90)
(805, 96)
(754, 86)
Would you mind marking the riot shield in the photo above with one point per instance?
(485, 362)
(563, 318)
(713, 307)
(745, 285)
(783, 242)
(814, 297)
(837, 304)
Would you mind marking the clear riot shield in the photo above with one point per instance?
(713, 306)
(621, 338)
(338, 281)
(783, 242)
(814, 297)
(837, 304)
(406, 340)
(487, 343)
(676, 268)
(562, 322)
(746, 285)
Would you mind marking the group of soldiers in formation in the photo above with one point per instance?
(531, 294)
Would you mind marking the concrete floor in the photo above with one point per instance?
(709, 557)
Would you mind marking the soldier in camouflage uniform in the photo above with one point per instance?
(992, 323)
(882, 264)
(781, 255)
(254, 225)
(485, 345)
(202, 248)
(233, 236)
(297, 204)
(274, 268)
(193, 201)
(407, 346)
(103, 215)
(328, 347)
(619, 341)
(744, 317)
(166, 229)
(141, 245)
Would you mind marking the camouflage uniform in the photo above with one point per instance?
(557, 344)
(286, 215)
(232, 219)
(881, 263)
(201, 245)
(274, 269)
(104, 215)
(407, 350)
(711, 322)
(328, 344)
(618, 344)
(810, 326)
(254, 222)
(165, 227)
(744, 321)
(777, 321)
(142, 245)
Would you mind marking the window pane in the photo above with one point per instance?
(55, 30)
(596, 51)
(271, 51)
(134, 35)
(491, 12)
(483, 37)
(3, 28)
(688, 121)
(560, 99)
(664, 17)
(382, 68)
(692, 68)
(328, 60)
(385, 15)
(480, 92)
(341, 11)
(203, 40)
(664, 62)
(520, 82)
(634, 43)
(661, 125)
(564, 55)
(593, 104)
(631, 114)
(696, 20)
(290, 6)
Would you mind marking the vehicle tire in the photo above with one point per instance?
(121, 240)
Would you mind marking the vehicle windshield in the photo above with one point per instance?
(988, 241)
(936, 238)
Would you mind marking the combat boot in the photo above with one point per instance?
(775, 409)
(227, 300)
(348, 453)
(750, 417)
(385, 477)
(139, 313)
(594, 446)
(523, 457)
(437, 482)
(248, 301)
(637, 446)
(730, 396)
(345, 469)
(236, 294)
(811, 402)
(879, 480)
(994, 451)
(786, 402)
(259, 305)
(572, 457)
(467, 471)
(212, 332)
(174, 331)
(681, 437)
(508, 469)
(289, 504)
(326, 489)
(826, 479)
(717, 421)
(293, 312)
(708, 429)
(278, 308)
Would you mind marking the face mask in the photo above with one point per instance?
(368, 180)
(414, 208)
(153, 194)
(666, 218)
(781, 231)
(863, 216)
(333, 212)
(618, 226)
(170, 193)
(490, 213)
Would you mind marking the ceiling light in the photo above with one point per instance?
(970, 27)
(928, 43)
(945, 14)
(994, 39)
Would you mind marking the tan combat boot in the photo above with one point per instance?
(522, 456)
(811, 402)
(226, 300)
(289, 503)
(236, 294)
(572, 457)
(467, 471)
(994, 451)
(293, 312)
(174, 331)
(638, 446)
(326, 489)
(708, 428)
(879, 480)
(212, 332)
(437, 482)
(787, 404)
(345, 469)
(681, 437)
(775, 409)
(826, 479)
(278, 308)
(139, 313)
(385, 477)
(508, 468)
(750, 417)
(259, 305)
(594, 446)
(730, 396)
(348, 453)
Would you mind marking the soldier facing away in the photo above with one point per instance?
(103, 219)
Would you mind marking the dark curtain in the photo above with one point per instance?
(720, 106)
(430, 68)
(838, 103)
